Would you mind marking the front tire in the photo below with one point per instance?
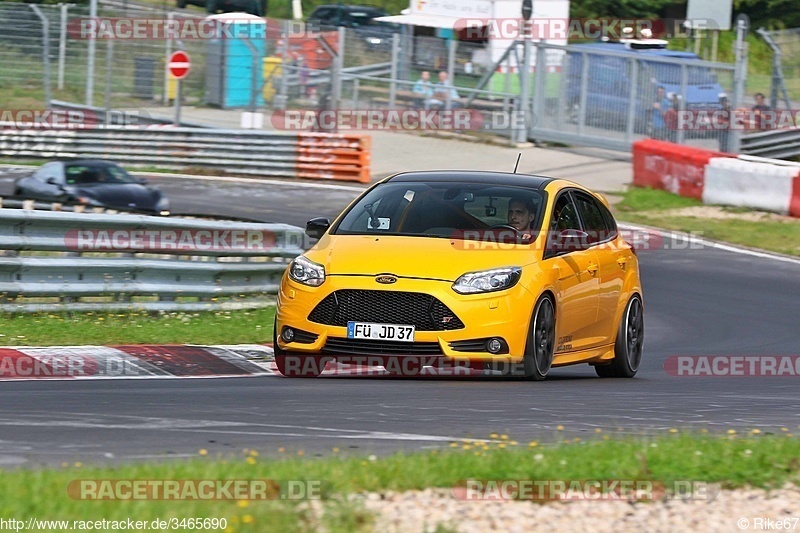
(540, 346)
(628, 347)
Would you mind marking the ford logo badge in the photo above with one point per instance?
(385, 278)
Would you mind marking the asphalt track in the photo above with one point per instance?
(705, 301)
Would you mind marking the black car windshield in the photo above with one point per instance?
(440, 209)
(88, 174)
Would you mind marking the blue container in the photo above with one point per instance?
(234, 58)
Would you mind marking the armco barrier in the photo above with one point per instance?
(672, 167)
(717, 178)
(166, 263)
(259, 153)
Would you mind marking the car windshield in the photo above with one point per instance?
(439, 209)
(86, 174)
(671, 74)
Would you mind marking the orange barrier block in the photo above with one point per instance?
(335, 156)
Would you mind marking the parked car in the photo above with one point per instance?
(375, 34)
(92, 182)
(253, 7)
(610, 79)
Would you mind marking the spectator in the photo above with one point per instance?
(442, 91)
(423, 90)
(760, 103)
(723, 125)
(671, 118)
(759, 110)
(303, 75)
(660, 106)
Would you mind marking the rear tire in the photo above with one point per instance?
(629, 343)
(540, 346)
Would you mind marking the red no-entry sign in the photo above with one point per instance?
(179, 64)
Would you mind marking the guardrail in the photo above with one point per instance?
(779, 144)
(260, 153)
(54, 260)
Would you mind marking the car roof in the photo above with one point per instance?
(371, 9)
(88, 162)
(474, 176)
(620, 47)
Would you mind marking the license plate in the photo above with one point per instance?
(382, 332)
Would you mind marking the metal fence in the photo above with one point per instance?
(785, 79)
(608, 98)
(579, 94)
(72, 261)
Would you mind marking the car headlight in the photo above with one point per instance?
(162, 204)
(307, 272)
(496, 279)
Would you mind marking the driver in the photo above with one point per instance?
(521, 212)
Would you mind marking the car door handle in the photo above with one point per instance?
(622, 262)
(592, 269)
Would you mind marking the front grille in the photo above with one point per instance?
(359, 346)
(422, 311)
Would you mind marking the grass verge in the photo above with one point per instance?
(753, 459)
(745, 227)
(137, 327)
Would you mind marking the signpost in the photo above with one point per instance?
(178, 66)
(525, 71)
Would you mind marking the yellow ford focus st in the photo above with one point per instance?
(494, 270)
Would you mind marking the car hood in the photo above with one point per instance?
(414, 257)
(129, 195)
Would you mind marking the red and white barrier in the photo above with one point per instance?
(718, 178)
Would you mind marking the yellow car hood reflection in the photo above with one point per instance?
(417, 257)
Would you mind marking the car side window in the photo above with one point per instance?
(564, 216)
(48, 171)
(593, 221)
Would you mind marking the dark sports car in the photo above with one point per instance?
(92, 182)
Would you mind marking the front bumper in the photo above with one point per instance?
(503, 314)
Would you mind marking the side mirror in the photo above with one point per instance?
(569, 240)
(316, 227)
